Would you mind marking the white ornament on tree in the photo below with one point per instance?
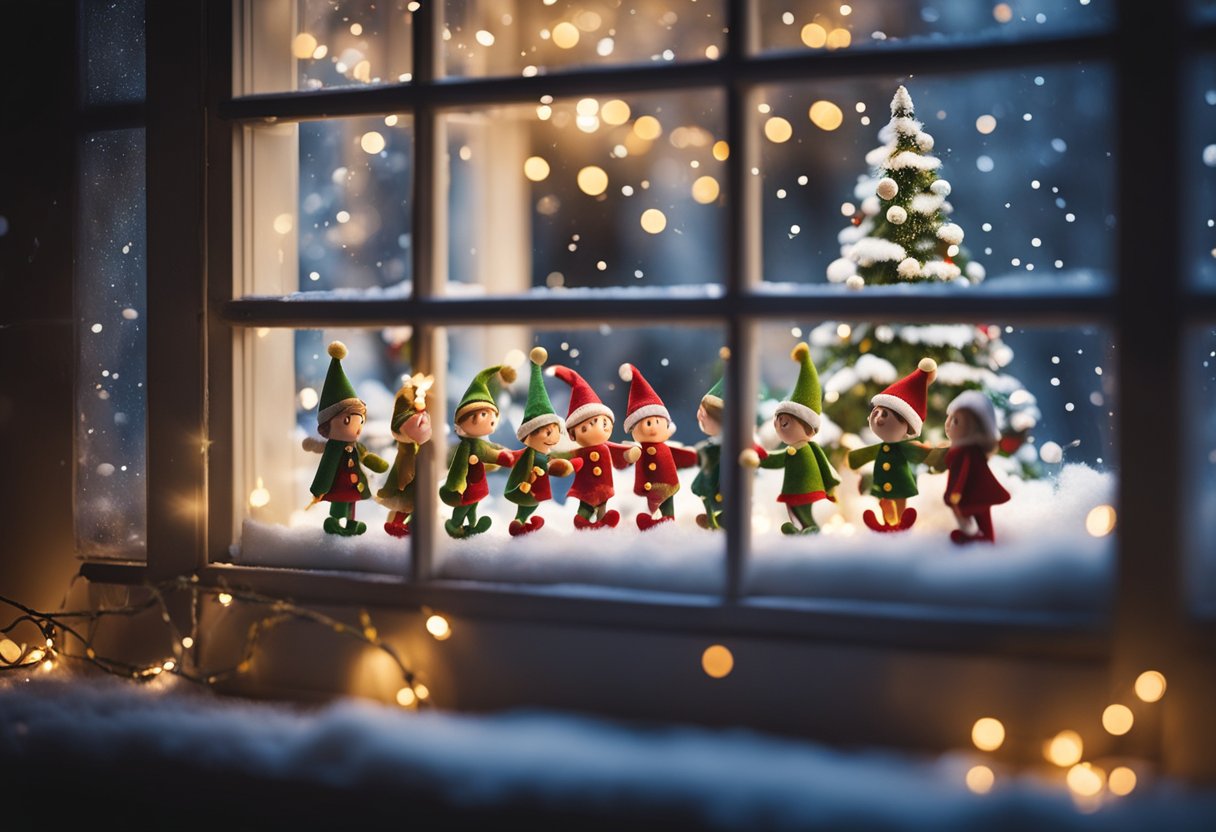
(897, 215)
(950, 234)
(841, 269)
(887, 188)
(909, 268)
(855, 282)
(924, 141)
(940, 187)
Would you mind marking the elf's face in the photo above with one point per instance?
(888, 425)
(593, 431)
(480, 423)
(960, 425)
(652, 429)
(346, 427)
(543, 439)
(710, 426)
(415, 429)
(791, 430)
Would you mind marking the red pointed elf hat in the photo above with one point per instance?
(643, 401)
(909, 396)
(583, 402)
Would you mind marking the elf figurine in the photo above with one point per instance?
(340, 479)
(411, 427)
(475, 418)
(809, 477)
(528, 485)
(897, 417)
(971, 488)
(655, 462)
(589, 424)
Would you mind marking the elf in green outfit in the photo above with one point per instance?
(340, 479)
(528, 484)
(411, 427)
(897, 417)
(476, 417)
(809, 477)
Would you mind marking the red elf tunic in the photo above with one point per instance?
(972, 479)
(656, 478)
(593, 482)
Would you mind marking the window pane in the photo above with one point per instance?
(114, 51)
(311, 44)
(285, 382)
(111, 307)
(828, 24)
(1199, 531)
(674, 368)
(1051, 394)
(1015, 169)
(498, 37)
(345, 226)
(590, 193)
(1200, 161)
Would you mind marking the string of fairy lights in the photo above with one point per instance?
(71, 636)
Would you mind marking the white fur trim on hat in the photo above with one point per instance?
(588, 410)
(915, 423)
(537, 422)
(337, 407)
(643, 412)
(800, 411)
(980, 405)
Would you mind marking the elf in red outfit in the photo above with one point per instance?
(655, 462)
(971, 488)
(589, 423)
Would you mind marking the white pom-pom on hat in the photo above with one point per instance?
(928, 366)
(507, 374)
(336, 350)
(539, 355)
(626, 372)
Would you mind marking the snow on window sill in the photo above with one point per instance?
(1071, 281)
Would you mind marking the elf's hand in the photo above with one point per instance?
(955, 499)
(633, 454)
(504, 458)
(525, 487)
(748, 458)
(560, 468)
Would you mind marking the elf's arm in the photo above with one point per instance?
(617, 451)
(458, 468)
(861, 456)
(826, 471)
(775, 460)
(508, 458)
(936, 459)
(372, 461)
(916, 452)
(960, 479)
(487, 453)
(565, 463)
(520, 477)
(327, 470)
(683, 457)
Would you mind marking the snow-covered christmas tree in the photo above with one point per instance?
(900, 232)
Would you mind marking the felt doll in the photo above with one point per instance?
(655, 462)
(411, 428)
(475, 418)
(971, 488)
(528, 484)
(809, 477)
(589, 424)
(896, 418)
(340, 479)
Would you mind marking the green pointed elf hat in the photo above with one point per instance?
(806, 401)
(716, 396)
(539, 410)
(338, 393)
(479, 395)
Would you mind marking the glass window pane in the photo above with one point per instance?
(1199, 159)
(111, 310)
(330, 207)
(831, 25)
(1036, 439)
(113, 40)
(1007, 177)
(1200, 529)
(608, 192)
(499, 37)
(311, 44)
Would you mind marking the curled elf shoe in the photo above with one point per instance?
(611, 518)
(645, 521)
(789, 528)
(535, 523)
(453, 529)
(704, 521)
(482, 526)
(962, 538)
(581, 522)
(332, 526)
(358, 528)
(397, 529)
(516, 528)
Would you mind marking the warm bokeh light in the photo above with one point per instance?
(985, 124)
(1002, 12)
(536, 169)
(843, 331)
(592, 180)
(259, 496)
(721, 151)
(1117, 719)
(565, 35)
(1122, 781)
(648, 128)
(980, 779)
(372, 142)
(187, 642)
(778, 130)
(1064, 749)
(1100, 521)
(1150, 686)
(705, 190)
(717, 661)
(839, 39)
(825, 115)
(308, 398)
(988, 734)
(653, 220)
(587, 107)
(303, 45)
(406, 697)
(283, 223)
(484, 38)
(814, 35)
(421, 691)
(1085, 780)
(615, 112)
(438, 626)
(224, 598)
(9, 651)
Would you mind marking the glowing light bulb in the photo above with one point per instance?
(303, 45)
(777, 130)
(406, 697)
(9, 651)
(438, 626)
(717, 661)
(224, 598)
(1100, 521)
(259, 496)
(485, 38)
(1085, 779)
(615, 112)
(1122, 781)
(1150, 687)
(1117, 719)
(653, 221)
(1064, 749)
(565, 35)
(421, 691)
(980, 779)
(372, 142)
(536, 169)
(169, 664)
(648, 128)
(988, 734)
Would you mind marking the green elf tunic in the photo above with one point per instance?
(808, 474)
(532, 467)
(466, 483)
(709, 458)
(340, 477)
(397, 493)
(894, 478)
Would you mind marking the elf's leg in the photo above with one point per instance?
(668, 508)
(711, 513)
(353, 526)
(805, 518)
(520, 523)
(477, 525)
(333, 523)
(455, 526)
(582, 520)
(983, 519)
(890, 512)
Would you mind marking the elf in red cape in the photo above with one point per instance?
(589, 423)
(655, 462)
(971, 488)
(897, 417)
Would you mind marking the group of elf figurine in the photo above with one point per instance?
(896, 419)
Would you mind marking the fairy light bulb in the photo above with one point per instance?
(1117, 719)
(406, 697)
(717, 661)
(1064, 749)
(438, 627)
(1150, 686)
(1085, 779)
(979, 779)
(421, 691)
(1122, 781)
(988, 733)
(259, 496)
(224, 598)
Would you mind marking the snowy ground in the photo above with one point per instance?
(1044, 558)
(181, 755)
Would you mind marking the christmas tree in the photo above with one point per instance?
(901, 233)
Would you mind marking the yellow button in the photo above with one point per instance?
(595, 456)
(886, 448)
(350, 463)
(537, 471)
(647, 486)
(354, 477)
(717, 498)
(597, 470)
(350, 448)
(886, 466)
(791, 451)
(359, 487)
(651, 450)
(652, 466)
(886, 486)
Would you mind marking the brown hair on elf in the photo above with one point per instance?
(359, 408)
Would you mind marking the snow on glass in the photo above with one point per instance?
(1199, 404)
(1200, 182)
